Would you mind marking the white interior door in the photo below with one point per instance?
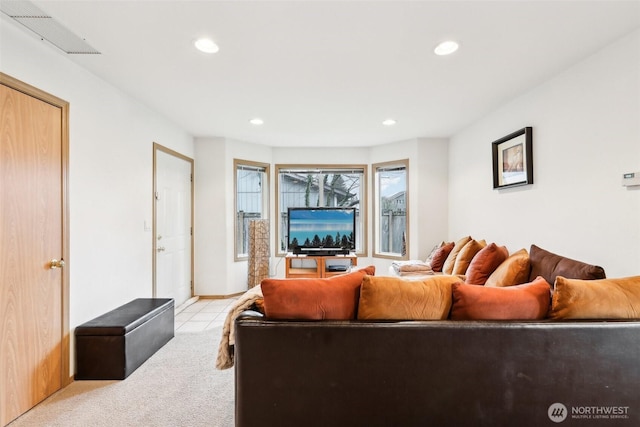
(173, 226)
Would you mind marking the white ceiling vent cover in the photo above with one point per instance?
(45, 26)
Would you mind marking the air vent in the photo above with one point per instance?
(46, 27)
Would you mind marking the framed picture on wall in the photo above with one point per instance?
(513, 159)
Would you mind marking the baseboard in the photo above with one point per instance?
(221, 296)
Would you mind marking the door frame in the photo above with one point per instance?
(156, 148)
(34, 92)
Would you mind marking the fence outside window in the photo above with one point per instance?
(391, 209)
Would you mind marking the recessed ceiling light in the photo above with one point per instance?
(206, 45)
(446, 48)
(256, 121)
(389, 122)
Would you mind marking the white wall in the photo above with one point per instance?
(428, 175)
(430, 199)
(110, 174)
(586, 134)
(210, 237)
(216, 272)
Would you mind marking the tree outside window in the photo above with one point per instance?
(320, 186)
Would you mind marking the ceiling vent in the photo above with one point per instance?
(45, 26)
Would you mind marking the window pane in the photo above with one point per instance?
(251, 201)
(320, 187)
(391, 209)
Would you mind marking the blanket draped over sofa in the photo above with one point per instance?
(226, 346)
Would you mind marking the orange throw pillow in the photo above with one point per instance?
(333, 298)
(450, 262)
(617, 298)
(529, 301)
(513, 271)
(466, 255)
(393, 298)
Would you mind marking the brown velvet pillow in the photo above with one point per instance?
(484, 263)
(450, 262)
(334, 298)
(529, 301)
(513, 271)
(550, 265)
(596, 299)
(439, 257)
(466, 255)
(392, 298)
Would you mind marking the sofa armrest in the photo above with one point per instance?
(250, 315)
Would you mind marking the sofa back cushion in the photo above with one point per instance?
(484, 263)
(529, 301)
(333, 298)
(512, 271)
(393, 298)
(440, 256)
(450, 262)
(466, 255)
(596, 299)
(550, 265)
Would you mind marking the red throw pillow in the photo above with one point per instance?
(529, 301)
(440, 256)
(484, 263)
(333, 298)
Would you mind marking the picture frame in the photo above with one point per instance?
(513, 159)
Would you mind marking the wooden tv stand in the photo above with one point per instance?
(299, 266)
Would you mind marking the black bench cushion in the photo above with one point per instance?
(126, 318)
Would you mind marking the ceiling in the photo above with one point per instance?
(327, 73)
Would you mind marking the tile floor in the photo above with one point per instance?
(202, 314)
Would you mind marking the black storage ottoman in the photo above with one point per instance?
(112, 346)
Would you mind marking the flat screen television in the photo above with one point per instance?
(321, 231)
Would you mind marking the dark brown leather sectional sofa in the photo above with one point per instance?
(443, 372)
(436, 373)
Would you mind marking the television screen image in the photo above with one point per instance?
(315, 228)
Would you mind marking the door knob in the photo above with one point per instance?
(160, 248)
(54, 263)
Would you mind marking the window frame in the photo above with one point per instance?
(375, 168)
(249, 164)
(362, 235)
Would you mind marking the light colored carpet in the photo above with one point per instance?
(178, 386)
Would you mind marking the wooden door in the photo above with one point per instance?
(34, 340)
(173, 225)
